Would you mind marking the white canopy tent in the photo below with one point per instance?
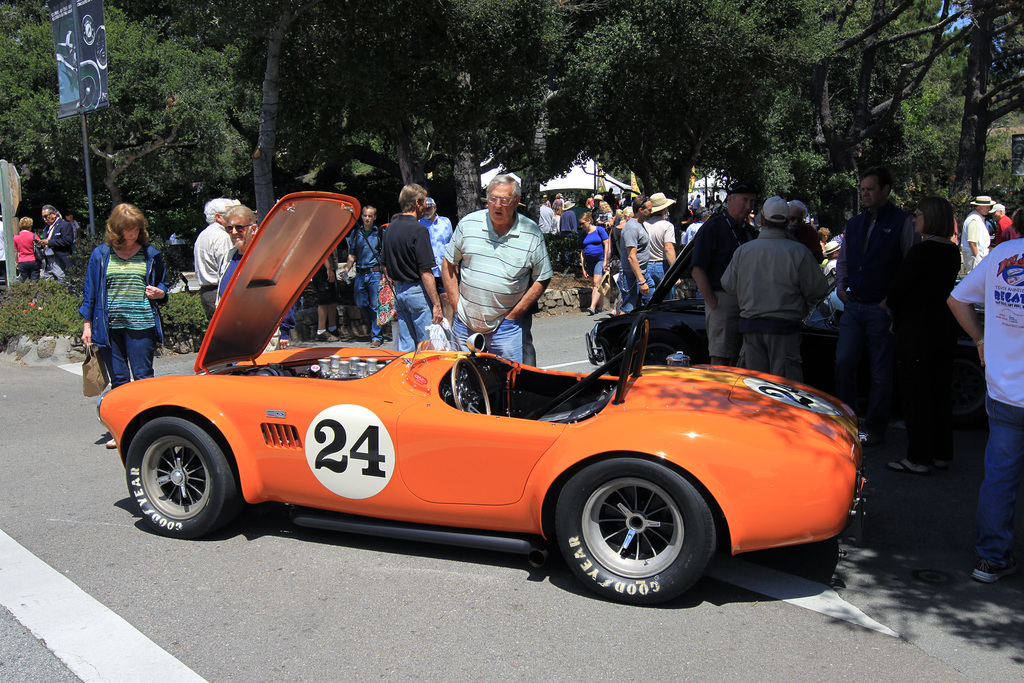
(582, 176)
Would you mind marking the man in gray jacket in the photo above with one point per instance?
(774, 278)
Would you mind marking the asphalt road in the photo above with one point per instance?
(264, 600)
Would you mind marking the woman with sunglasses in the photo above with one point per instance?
(926, 334)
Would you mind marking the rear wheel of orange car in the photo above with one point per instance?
(634, 531)
(180, 479)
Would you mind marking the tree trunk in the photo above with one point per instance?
(970, 163)
(110, 179)
(467, 178)
(538, 153)
(466, 167)
(266, 145)
(408, 164)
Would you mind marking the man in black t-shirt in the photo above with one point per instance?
(409, 262)
(713, 247)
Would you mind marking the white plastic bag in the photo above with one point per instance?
(441, 336)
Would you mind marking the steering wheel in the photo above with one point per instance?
(468, 388)
(632, 355)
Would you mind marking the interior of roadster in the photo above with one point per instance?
(494, 386)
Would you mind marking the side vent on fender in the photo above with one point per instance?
(281, 436)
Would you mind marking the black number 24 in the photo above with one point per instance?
(372, 454)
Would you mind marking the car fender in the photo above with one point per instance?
(125, 409)
(806, 489)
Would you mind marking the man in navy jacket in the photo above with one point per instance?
(58, 243)
(874, 244)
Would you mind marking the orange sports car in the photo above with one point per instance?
(637, 474)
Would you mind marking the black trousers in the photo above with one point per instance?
(924, 372)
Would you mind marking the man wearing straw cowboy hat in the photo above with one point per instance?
(975, 240)
(663, 236)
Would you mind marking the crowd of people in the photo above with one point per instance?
(758, 268)
(896, 275)
(45, 254)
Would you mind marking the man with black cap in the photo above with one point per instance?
(874, 245)
(713, 247)
(774, 279)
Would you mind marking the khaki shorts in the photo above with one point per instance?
(723, 326)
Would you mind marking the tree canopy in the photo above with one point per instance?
(256, 99)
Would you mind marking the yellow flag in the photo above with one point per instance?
(632, 183)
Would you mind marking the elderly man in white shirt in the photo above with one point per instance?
(212, 245)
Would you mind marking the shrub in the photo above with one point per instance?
(39, 309)
(184, 320)
(564, 252)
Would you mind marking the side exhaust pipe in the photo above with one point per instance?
(535, 552)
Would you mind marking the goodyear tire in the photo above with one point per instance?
(634, 531)
(180, 479)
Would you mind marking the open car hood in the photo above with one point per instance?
(290, 244)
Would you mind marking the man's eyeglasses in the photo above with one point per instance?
(237, 228)
(500, 201)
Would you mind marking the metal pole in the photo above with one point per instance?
(88, 177)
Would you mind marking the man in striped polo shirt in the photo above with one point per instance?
(498, 253)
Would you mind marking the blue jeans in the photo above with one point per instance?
(414, 315)
(631, 292)
(506, 341)
(866, 327)
(129, 355)
(366, 288)
(997, 499)
(655, 271)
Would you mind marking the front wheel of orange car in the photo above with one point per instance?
(634, 531)
(180, 479)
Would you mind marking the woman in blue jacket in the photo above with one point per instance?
(124, 284)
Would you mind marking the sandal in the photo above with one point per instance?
(111, 444)
(905, 465)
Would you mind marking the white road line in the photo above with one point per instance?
(565, 365)
(795, 590)
(94, 643)
(73, 368)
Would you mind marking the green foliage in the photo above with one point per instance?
(38, 309)
(651, 87)
(564, 252)
(664, 85)
(183, 320)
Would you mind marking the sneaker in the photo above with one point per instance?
(326, 337)
(988, 572)
(376, 344)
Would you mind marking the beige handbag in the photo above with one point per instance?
(94, 373)
(607, 286)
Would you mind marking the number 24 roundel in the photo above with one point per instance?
(350, 451)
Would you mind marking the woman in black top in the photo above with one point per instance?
(926, 334)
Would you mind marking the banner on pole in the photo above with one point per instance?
(80, 45)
